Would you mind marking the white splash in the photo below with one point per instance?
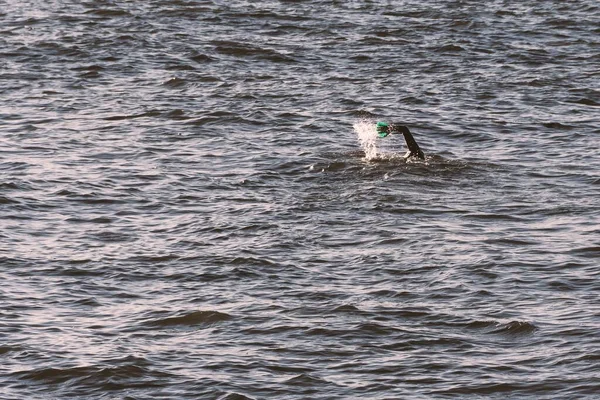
(367, 137)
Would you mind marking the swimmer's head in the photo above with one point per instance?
(383, 129)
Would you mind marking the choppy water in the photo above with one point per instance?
(193, 203)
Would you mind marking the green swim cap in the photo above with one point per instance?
(383, 129)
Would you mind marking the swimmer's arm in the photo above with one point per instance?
(413, 148)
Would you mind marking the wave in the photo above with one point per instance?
(192, 319)
(235, 396)
(120, 373)
(512, 328)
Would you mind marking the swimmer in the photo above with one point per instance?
(384, 129)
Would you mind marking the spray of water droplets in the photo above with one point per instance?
(367, 137)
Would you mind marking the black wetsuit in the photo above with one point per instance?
(413, 148)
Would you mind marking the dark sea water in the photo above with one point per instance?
(194, 203)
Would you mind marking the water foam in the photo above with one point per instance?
(367, 137)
